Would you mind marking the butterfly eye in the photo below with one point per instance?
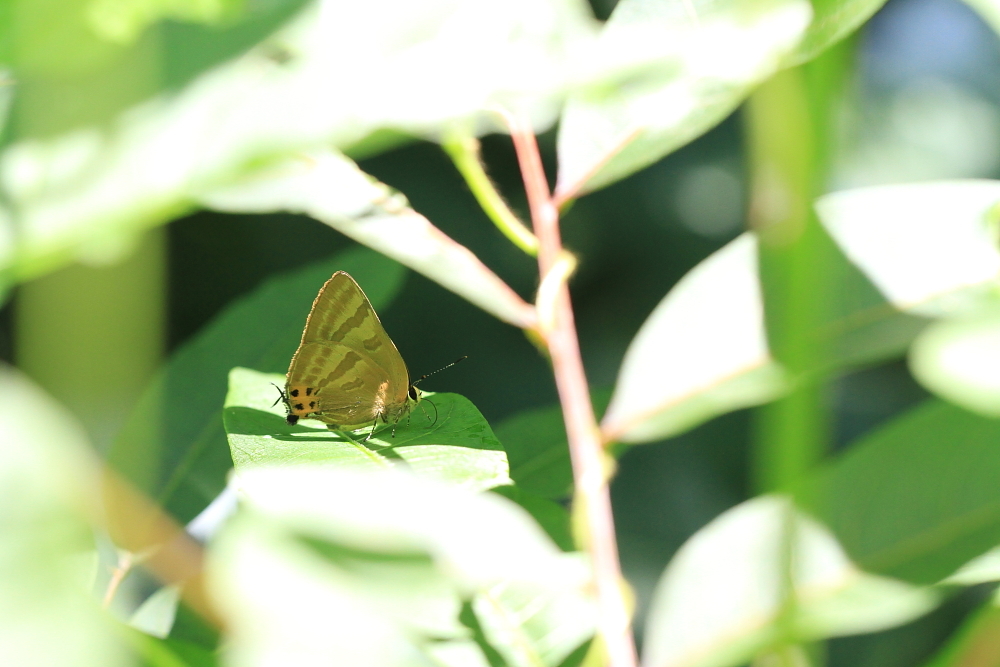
(414, 393)
(292, 419)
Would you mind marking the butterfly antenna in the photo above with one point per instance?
(281, 395)
(424, 377)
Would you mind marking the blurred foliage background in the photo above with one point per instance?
(924, 103)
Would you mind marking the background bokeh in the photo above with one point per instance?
(925, 103)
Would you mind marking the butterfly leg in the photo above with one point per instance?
(424, 410)
(385, 420)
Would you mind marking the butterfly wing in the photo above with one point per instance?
(347, 360)
(342, 388)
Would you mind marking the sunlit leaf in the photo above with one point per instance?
(456, 653)
(530, 628)
(173, 445)
(550, 515)
(989, 10)
(832, 21)
(677, 74)
(85, 193)
(457, 447)
(930, 248)
(909, 253)
(702, 351)
(82, 63)
(918, 497)
(719, 600)
(155, 615)
(378, 564)
(330, 188)
(960, 360)
(980, 569)
(47, 615)
(284, 603)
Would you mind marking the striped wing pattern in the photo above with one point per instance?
(347, 372)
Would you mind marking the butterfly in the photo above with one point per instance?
(347, 372)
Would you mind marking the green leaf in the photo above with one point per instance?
(979, 570)
(537, 449)
(528, 627)
(47, 482)
(156, 614)
(959, 360)
(124, 20)
(832, 21)
(690, 362)
(86, 192)
(456, 653)
(930, 248)
(679, 67)
(917, 498)
(457, 447)
(100, 57)
(907, 253)
(719, 601)
(551, 516)
(329, 187)
(165, 652)
(191, 628)
(173, 446)
(989, 10)
(379, 564)
(165, 615)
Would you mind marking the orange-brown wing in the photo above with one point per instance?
(344, 343)
(340, 388)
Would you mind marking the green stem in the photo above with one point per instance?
(792, 430)
(92, 336)
(789, 134)
(789, 129)
(463, 148)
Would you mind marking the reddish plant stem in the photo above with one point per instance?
(592, 501)
(122, 568)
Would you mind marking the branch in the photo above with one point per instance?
(139, 526)
(592, 498)
(463, 148)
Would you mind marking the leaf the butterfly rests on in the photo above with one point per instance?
(347, 372)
